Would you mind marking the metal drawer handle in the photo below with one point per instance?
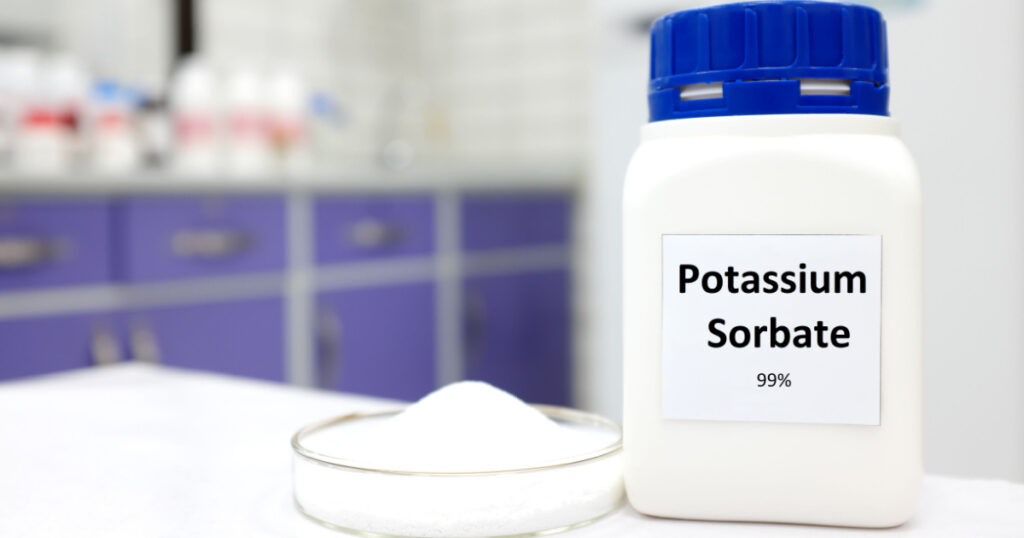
(474, 330)
(145, 347)
(374, 233)
(104, 347)
(330, 359)
(21, 252)
(210, 244)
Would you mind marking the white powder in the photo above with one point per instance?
(470, 426)
(464, 427)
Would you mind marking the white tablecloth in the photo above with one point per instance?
(139, 451)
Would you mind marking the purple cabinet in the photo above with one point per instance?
(54, 243)
(503, 221)
(32, 346)
(244, 337)
(516, 332)
(192, 236)
(373, 227)
(377, 341)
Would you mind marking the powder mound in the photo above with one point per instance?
(469, 426)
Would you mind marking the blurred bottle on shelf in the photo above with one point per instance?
(154, 130)
(112, 126)
(196, 119)
(250, 123)
(247, 141)
(11, 96)
(289, 120)
(327, 126)
(47, 128)
(401, 134)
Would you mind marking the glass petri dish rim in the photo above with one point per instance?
(554, 412)
(544, 532)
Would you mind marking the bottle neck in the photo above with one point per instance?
(773, 125)
(819, 95)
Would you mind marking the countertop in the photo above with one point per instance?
(134, 450)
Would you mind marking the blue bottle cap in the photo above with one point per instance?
(781, 57)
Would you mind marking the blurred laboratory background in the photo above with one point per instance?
(383, 196)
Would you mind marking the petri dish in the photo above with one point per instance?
(361, 498)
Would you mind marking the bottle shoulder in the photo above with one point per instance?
(840, 161)
(880, 152)
(773, 125)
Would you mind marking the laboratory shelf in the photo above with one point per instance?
(485, 177)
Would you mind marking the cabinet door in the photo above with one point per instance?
(33, 346)
(377, 341)
(54, 243)
(505, 221)
(354, 228)
(516, 334)
(172, 237)
(244, 338)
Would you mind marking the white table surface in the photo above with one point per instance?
(141, 451)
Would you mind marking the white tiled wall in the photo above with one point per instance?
(514, 76)
(497, 79)
(136, 50)
(352, 49)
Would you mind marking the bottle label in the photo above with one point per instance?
(771, 328)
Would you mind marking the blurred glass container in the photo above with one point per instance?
(155, 136)
(401, 134)
(360, 497)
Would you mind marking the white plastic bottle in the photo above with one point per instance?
(248, 140)
(53, 94)
(772, 274)
(288, 103)
(112, 128)
(197, 117)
